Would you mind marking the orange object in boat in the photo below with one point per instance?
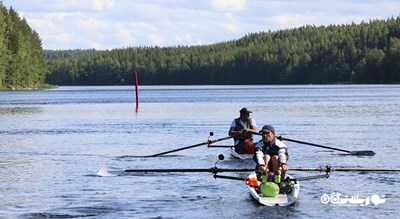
(252, 181)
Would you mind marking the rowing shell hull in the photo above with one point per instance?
(240, 156)
(279, 200)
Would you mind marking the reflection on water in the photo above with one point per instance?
(4, 111)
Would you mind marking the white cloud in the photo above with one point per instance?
(232, 28)
(229, 5)
(156, 39)
(90, 24)
(291, 20)
(100, 5)
(108, 24)
(99, 46)
(64, 37)
(124, 34)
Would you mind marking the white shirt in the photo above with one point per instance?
(244, 124)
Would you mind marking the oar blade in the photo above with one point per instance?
(362, 153)
(110, 171)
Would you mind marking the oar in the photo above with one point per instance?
(357, 153)
(191, 146)
(355, 169)
(110, 171)
(229, 177)
(221, 146)
(304, 178)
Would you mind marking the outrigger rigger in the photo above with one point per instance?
(289, 188)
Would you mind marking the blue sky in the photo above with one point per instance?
(109, 24)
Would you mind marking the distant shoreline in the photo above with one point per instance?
(38, 87)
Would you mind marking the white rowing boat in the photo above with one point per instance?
(287, 195)
(240, 156)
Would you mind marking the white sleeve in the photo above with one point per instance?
(282, 151)
(253, 122)
(282, 155)
(259, 154)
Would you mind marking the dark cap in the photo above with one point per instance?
(244, 110)
(267, 128)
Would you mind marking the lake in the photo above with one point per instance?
(53, 142)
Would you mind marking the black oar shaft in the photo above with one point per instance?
(329, 169)
(221, 146)
(312, 144)
(228, 177)
(191, 146)
(194, 170)
(366, 169)
(305, 169)
(357, 153)
(166, 170)
(312, 177)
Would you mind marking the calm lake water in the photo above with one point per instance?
(53, 142)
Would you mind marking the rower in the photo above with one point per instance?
(241, 130)
(269, 153)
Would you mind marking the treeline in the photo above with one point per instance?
(22, 62)
(354, 53)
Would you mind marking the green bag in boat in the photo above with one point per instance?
(269, 189)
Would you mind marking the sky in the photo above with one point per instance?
(114, 24)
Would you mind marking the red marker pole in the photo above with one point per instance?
(137, 90)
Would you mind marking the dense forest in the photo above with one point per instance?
(353, 53)
(22, 61)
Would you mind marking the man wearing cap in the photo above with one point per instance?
(241, 129)
(270, 152)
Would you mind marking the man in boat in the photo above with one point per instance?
(241, 130)
(271, 154)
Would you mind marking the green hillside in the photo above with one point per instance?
(22, 62)
(356, 53)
